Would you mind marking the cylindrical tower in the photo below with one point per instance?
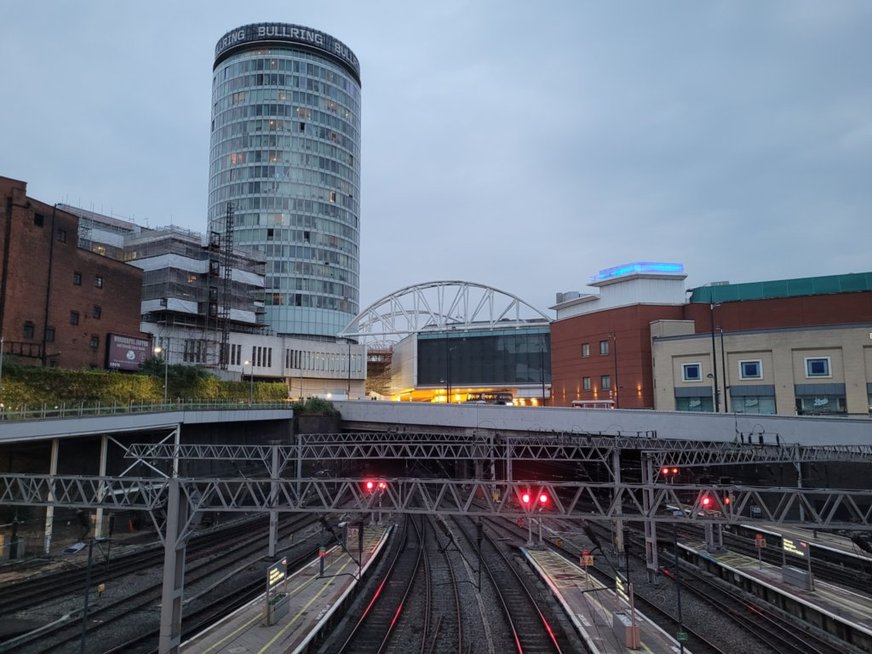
(285, 153)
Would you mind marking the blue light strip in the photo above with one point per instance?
(638, 267)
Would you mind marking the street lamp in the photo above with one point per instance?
(165, 354)
(251, 381)
(717, 399)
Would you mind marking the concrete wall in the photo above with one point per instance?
(420, 416)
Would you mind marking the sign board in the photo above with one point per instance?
(681, 636)
(126, 352)
(586, 558)
(795, 547)
(276, 573)
(620, 588)
(759, 541)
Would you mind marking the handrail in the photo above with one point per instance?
(81, 409)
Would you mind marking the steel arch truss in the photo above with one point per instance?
(439, 306)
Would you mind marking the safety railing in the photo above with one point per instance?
(82, 409)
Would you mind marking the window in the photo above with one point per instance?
(585, 383)
(74, 317)
(98, 281)
(694, 404)
(691, 372)
(604, 347)
(585, 350)
(605, 382)
(751, 369)
(29, 329)
(38, 219)
(95, 342)
(817, 367)
(49, 334)
(97, 312)
(62, 235)
(77, 278)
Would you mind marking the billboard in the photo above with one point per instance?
(126, 352)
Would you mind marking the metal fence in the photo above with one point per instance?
(79, 410)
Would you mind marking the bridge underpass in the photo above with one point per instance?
(489, 487)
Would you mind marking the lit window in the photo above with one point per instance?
(750, 369)
(605, 382)
(585, 383)
(817, 367)
(691, 372)
(95, 342)
(98, 281)
(585, 350)
(604, 347)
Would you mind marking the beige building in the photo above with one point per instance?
(797, 370)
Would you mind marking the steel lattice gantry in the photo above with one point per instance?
(652, 501)
(561, 447)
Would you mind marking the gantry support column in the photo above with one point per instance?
(170, 638)
(49, 510)
(618, 524)
(101, 489)
(273, 498)
(651, 561)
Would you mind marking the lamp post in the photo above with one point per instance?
(164, 352)
(250, 381)
(716, 393)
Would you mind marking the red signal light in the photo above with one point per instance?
(664, 471)
(674, 471)
(706, 501)
(382, 485)
(369, 485)
(525, 497)
(543, 498)
(727, 500)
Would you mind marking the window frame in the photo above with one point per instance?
(75, 318)
(744, 375)
(686, 378)
(605, 382)
(604, 347)
(29, 330)
(585, 350)
(810, 375)
(77, 278)
(96, 312)
(61, 235)
(98, 281)
(586, 383)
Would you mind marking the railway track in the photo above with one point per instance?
(530, 630)
(108, 614)
(375, 626)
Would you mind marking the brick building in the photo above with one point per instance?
(602, 342)
(60, 305)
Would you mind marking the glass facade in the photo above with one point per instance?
(285, 155)
(507, 358)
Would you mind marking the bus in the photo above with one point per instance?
(593, 404)
(495, 397)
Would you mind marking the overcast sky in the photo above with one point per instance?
(516, 144)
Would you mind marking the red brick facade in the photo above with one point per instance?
(47, 283)
(627, 329)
